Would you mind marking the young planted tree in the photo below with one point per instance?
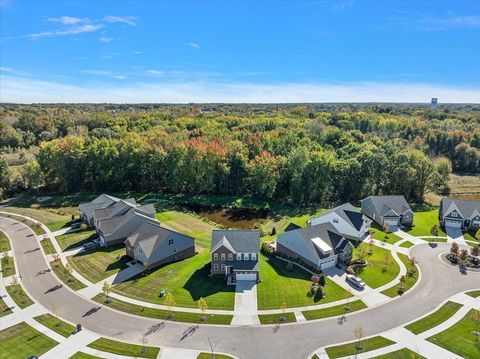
(412, 262)
(454, 249)
(386, 262)
(169, 301)
(202, 305)
(69, 270)
(358, 333)
(106, 289)
(322, 281)
(434, 231)
(144, 341)
(55, 311)
(283, 307)
(401, 287)
(463, 256)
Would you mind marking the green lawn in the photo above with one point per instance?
(459, 338)
(21, 341)
(275, 318)
(62, 273)
(163, 314)
(8, 266)
(53, 218)
(400, 354)
(423, 222)
(439, 316)
(333, 311)
(19, 296)
(75, 239)
(133, 350)
(410, 279)
(187, 280)
(100, 263)
(343, 350)
(373, 274)
(4, 242)
(407, 244)
(280, 286)
(47, 245)
(4, 309)
(81, 355)
(474, 293)
(56, 324)
(38, 230)
(214, 356)
(379, 234)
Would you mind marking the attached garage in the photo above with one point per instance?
(328, 264)
(391, 221)
(246, 276)
(453, 223)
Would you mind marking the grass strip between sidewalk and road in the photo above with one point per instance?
(19, 296)
(4, 243)
(474, 293)
(8, 266)
(67, 278)
(127, 349)
(275, 318)
(343, 350)
(56, 324)
(401, 354)
(4, 308)
(333, 311)
(215, 356)
(82, 355)
(439, 316)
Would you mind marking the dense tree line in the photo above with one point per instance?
(303, 153)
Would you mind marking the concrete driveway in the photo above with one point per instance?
(455, 235)
(245, 312)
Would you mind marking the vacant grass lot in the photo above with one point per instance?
(373, 274)
(410, 280)
(281, 286)
(439, 316)
(112, 346)
(187, 280)
(4, 309)
(19, 296)
(47, 246)
(21, 341)
(404, 353)
(344, 350)
(423, 223)
(56, 324)
(163, 314)
(8, 266)
(333, 311)
(460, 338)
(101, 263)
(4, 242)
(53, 218)
(75, 239)
(275, 318)
(62, 273)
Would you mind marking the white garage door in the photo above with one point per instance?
(454, 224)
(328, 264)
(391, 221)
(246, 276)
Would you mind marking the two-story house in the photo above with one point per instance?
(235, 254)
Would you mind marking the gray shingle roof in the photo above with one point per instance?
(384, 204)
(325, 231)
(241, 241)
(113, 209)
(466, 208)
(349, 213)
(108, 225)
(243, 265)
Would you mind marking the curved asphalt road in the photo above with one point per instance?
(439, 282)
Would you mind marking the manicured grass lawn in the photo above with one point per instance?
(189, 225)
(100, 263)
(4, 309)
(333, 311)
(423, 222)
(133, 350)
(275, 318)
(4, 242)
(407, 244)
(187, 280)
(21, 341)
(281, 286)
(47, 246)
(474, 293)
(343, 350)
(163, 314)
(459, 338)
(439, 316)
(400, 354)
(410, 279)
(66, 277)
(373, 274)
(469, 236)
(8, 266)
(215, 356)
(379, 234)
(19, 296)
(53, 218)
(81, 355)
(38, 230)
(56, 324)
(75, 239)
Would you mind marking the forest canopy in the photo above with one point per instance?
(305, 154)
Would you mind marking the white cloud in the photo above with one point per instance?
(68, 20)
(137, 52)
(6, 69)
(105, 38)
(194, 45)
(24, 90)
(421, 22)
(129, 20)
(109, 55)
(155, 73)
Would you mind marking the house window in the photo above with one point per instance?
(239, 256)
(215, 267)
(254, 256)
(335, 220)
(170, 242)
(223, 267)
(454, 214)
(215, 256)
(174, 250)
(230, 256)
(222, 257)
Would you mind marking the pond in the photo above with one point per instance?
(236, 218)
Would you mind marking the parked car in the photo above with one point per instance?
(76, 225)
(356, 281)
(90, 246)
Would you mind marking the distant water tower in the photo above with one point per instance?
(433, 104)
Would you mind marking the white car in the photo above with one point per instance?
(355, 281)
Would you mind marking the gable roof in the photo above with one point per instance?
(384, 204)
(348, 213)
(109, 225)
(111, 210)
(236, 241)
(466, 208)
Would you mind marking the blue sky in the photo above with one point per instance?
(250, 51)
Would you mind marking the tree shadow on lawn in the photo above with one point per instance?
(82, 242)
(200, 285)
(280, 268)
